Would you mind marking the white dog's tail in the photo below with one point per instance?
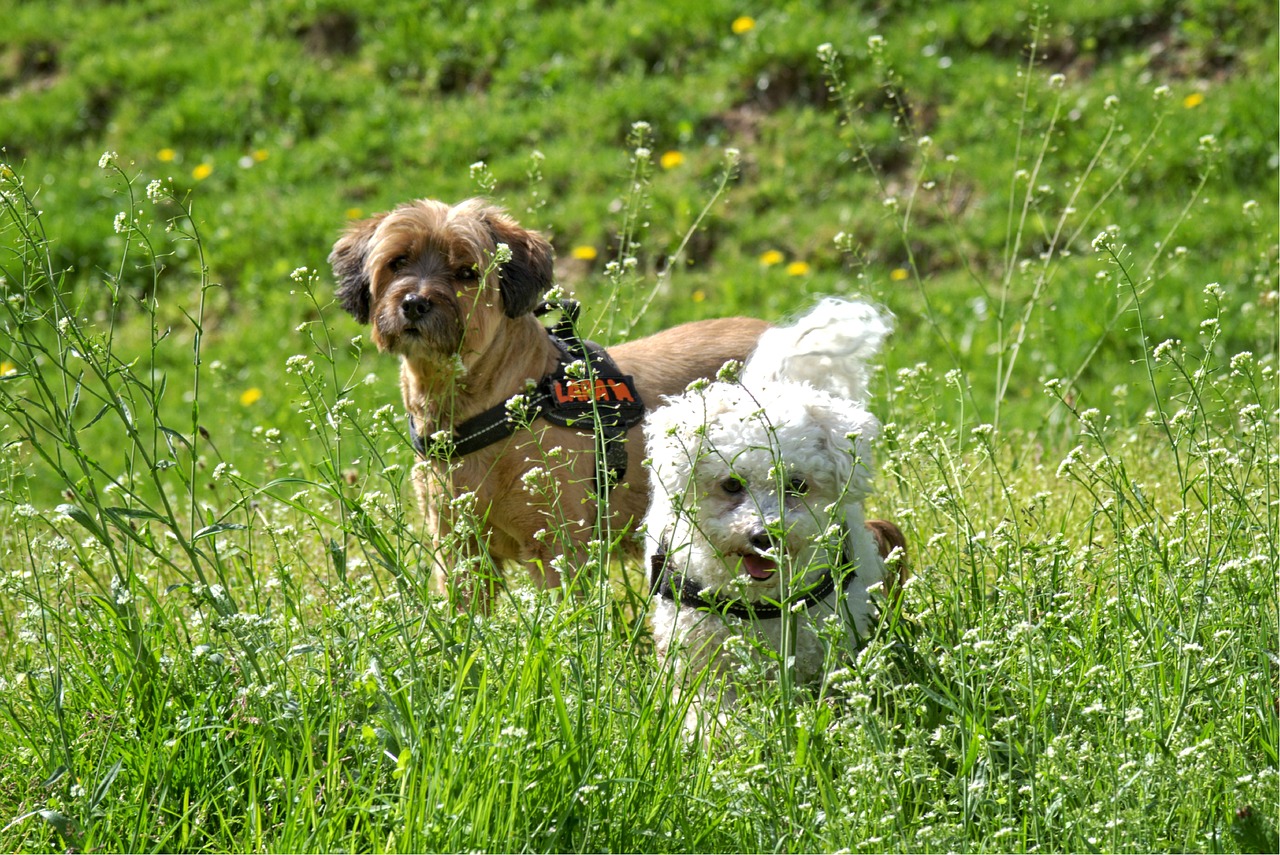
(830, 347)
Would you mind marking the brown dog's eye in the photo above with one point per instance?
(466, 274)
(732, 485)
(797, 487)
(398, 263)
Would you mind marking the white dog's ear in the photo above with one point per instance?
(665, 445)
(848, 434)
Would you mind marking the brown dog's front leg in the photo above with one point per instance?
(542, 574)
(467, 576)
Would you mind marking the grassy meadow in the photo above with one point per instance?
(216, 632)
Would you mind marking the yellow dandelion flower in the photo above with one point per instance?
(166, 154)
(250, 396)
(898, 274)
(261, 155)
(744, 24)
(354, 213)
(698, 296)
(584, 253)
(202, 172)
(7, 369)
(671, 159)
(770, 257)
(1195, 99)
(798, 268)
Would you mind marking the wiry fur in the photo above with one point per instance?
(425, 278)
(795, 436)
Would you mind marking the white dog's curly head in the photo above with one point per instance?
(753, 483)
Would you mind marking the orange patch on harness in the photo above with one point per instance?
(601, 389)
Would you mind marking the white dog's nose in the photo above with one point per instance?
(761, 540)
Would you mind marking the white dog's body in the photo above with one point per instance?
(757, 510)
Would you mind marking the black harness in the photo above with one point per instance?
(671, 585)
(594, 394)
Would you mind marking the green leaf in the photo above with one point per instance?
(58, 775)
(61, 824)
(171, 434)
(216, 528)
(339, 556)
(100, 791)
(82, 516)
(118, 515)
(97, 417)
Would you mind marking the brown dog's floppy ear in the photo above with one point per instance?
(888, 537)
(530, 272)
(348, 261)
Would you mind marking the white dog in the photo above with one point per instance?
(756, 534)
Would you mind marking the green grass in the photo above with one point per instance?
(215, 630)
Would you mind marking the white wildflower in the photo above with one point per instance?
(1164, 349)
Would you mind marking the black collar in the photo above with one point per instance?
(671, 585)
(599, 398)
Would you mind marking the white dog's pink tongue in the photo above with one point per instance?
(758, 566)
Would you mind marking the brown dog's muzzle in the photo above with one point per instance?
(418, 323)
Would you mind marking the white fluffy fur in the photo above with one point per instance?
(795, 433)
(831, 347)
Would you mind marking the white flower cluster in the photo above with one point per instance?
(299, 364)
(1106, 239)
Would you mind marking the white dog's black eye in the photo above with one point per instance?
(466, 274)
(732, 485)
(797, 487)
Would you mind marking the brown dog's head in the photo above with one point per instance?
(416, 274)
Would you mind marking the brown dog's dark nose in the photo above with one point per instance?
(415, 307)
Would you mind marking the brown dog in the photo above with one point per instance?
(429, 279)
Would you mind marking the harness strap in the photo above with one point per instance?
(669, 584)
(598, 396)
